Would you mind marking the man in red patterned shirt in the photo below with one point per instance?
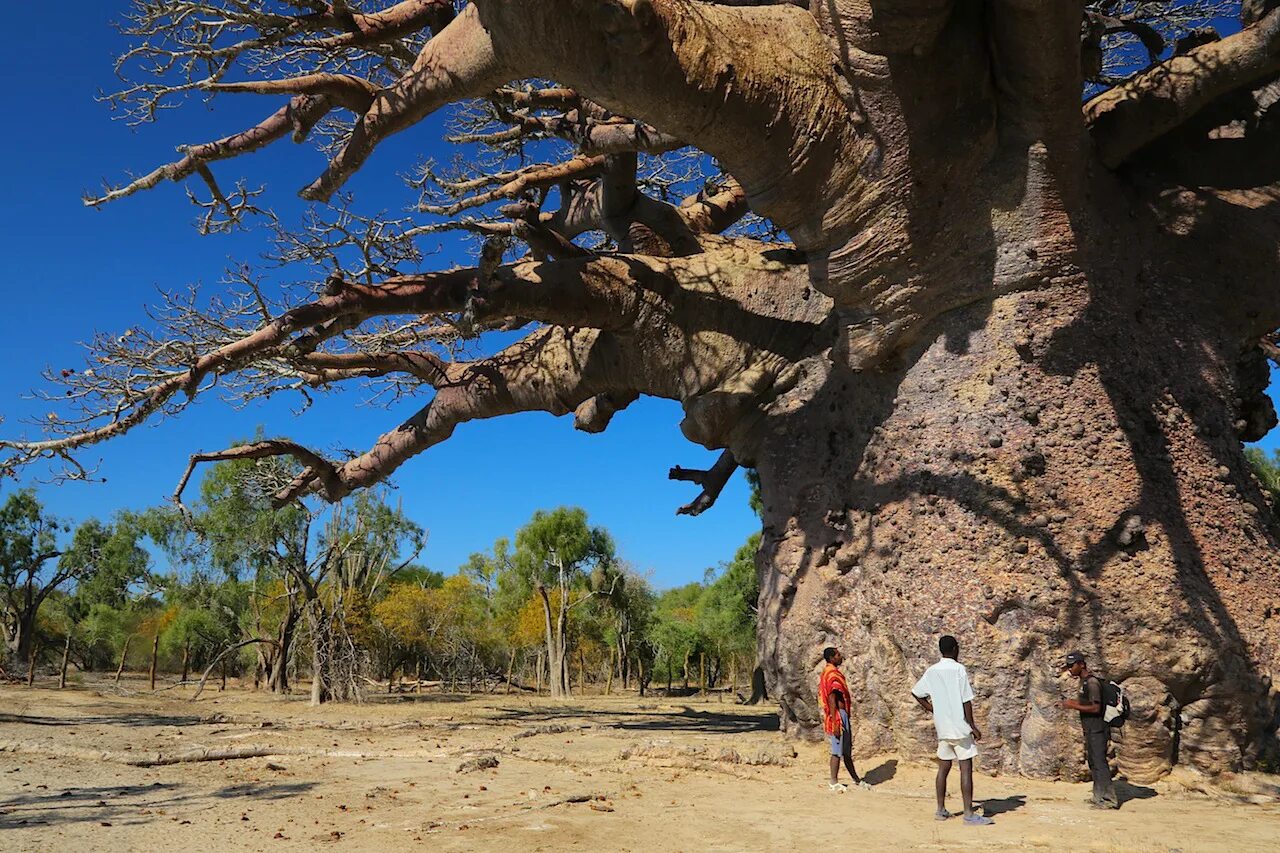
(834, 697)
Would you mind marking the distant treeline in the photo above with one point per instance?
(333, 596)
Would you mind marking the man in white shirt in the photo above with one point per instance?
(944, 691)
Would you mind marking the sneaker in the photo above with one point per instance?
(942, 815)
(978, 820)
(1104, 804)
(838, 787)
(864, 784)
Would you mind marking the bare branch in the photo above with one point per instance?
(712, 481)
(318, 467)
(299, 115)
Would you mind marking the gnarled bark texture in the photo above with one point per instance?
(996, 389)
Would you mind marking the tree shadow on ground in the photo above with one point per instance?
(883, 773)
(128, 805)
(418, 698)
(686, 719)
(136, 719)
(990, 808)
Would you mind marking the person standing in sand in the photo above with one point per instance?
(1097, 734)
(834, 697)
(944, 691)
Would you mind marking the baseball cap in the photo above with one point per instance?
(1071, 659)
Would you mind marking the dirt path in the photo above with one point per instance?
(614, 773)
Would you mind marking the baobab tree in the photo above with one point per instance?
(995, 385)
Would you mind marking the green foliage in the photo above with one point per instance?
(27, 533)
(1267, 469)
(106, 560)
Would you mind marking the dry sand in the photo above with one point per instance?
(601, 773)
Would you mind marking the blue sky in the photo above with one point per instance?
(69, 271)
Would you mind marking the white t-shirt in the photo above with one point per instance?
(946, 684)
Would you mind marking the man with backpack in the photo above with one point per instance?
(1097, 731)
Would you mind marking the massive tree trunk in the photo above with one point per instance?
(996, 388)
(1052, 469)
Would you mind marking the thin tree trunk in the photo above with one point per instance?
(608, 685)
(223, 685)
(186, 660)
(537, 676)
(155, 654)
(582, 667)
(668, 676)
(702, 673)
(686, 668)
(66, 654)
(124, 653)
(511, 665)
(31, 663)
(733, 674)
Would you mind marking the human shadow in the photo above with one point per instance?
(1126, 791)
(882, 773)
(993, 807)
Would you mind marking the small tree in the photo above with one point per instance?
(553, 555)
(27, 544)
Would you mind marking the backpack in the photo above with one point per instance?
(1115, 705)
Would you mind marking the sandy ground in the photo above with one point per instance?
(615, 773)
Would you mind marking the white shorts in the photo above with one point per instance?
(957, 749)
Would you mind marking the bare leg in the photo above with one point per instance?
(835, 768)
(940, 784)
(966, 785)
(846, 753)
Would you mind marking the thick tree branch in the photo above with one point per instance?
(553, 370)
(711, 75)
(344, 90)
(402, 19)
(459, 62)
(713, 213)
(602, 293)
(1133, 114)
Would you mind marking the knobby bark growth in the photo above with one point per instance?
(996, 386)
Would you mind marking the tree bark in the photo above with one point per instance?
(1049, 471)
(186, 660)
